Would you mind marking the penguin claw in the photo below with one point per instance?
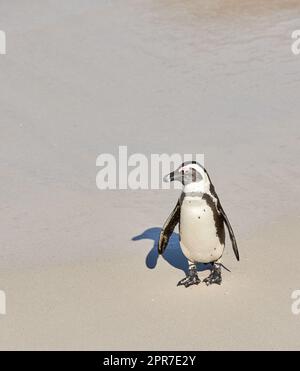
(189, 281)
(213, 278)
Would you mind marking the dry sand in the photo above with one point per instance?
(78, 265)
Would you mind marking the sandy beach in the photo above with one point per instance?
(78, 265)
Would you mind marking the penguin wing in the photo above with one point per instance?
(230, 230)
(168, 228)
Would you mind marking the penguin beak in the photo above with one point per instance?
(169, 178)
(174, 175)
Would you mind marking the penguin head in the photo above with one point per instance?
(187, 173)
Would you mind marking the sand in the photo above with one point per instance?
(78, 265)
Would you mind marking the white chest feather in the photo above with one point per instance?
(198, 234)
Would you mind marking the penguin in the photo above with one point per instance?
(201, 220)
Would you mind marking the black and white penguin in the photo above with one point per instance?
(201, 221)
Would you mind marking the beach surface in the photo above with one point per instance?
(78, 265)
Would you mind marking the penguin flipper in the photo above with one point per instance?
(168, 228)
(231, 233)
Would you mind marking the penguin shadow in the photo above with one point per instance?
(173, 254)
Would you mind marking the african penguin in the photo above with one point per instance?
(201, 221)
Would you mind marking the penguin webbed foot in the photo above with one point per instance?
(191, 279)
(215, 276)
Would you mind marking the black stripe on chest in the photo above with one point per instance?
(219, 222)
